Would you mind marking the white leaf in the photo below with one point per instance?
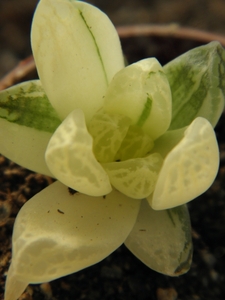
(189, 169)
(77, 52)
(57, 233)
(70, 157)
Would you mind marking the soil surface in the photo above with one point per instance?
(121, 276)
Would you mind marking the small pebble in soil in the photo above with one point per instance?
(46, 290)
(5, 211)
(166, 294)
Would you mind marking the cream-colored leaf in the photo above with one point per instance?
(57, 233)
(27, 121)
(162, 239)
(141, 92)
(70, 157)
(25, 146)
(189, 169)
(77, 52)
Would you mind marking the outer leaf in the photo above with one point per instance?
(162, 239)
(57, 233)
(70, 157)
(27, 104)
(141, 92)
(189, 168)
(197, 83)
(27, 121)
(77, 52)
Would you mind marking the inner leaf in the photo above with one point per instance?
(137, 177)
(135, 144)
(108, 132)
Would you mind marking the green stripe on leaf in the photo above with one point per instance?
(145, 113)
(179, 217)
(27, 104)
(157, 242)
(96, 46)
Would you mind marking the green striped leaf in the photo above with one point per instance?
(141, 92)
(197, 81)
(27, 104)
(27, 121)
(162, 239)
